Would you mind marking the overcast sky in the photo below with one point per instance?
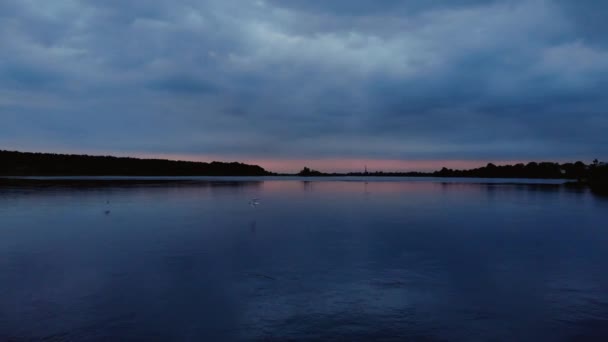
(333, 84)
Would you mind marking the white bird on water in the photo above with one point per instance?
(254, 202)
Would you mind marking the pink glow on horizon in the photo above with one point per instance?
(295, 165)
(339, 164)
(358, 165)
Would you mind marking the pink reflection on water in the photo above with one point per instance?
(329, 186)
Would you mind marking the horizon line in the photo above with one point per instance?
(324, 165)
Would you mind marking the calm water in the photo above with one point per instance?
(340, 260)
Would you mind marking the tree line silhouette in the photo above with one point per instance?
(545, 170)
(306, 172)
(49, 164)
(14, 163)
(594, 174)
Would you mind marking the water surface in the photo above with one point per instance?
(339, 259)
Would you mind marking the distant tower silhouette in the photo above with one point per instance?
(365, 169)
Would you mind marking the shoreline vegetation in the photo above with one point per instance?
(594, 175)
(14, 163)
(28, 164)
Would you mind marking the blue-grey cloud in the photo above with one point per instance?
(185, 84)
(465, 79)
(369, 7)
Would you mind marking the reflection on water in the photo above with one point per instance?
(316, 260)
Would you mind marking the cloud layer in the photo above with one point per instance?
(296, 79)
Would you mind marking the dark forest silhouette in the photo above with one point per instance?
(598, 177)
(533, 170)
(48, 164)
(544, 170)
(306, 172)
(595, 174)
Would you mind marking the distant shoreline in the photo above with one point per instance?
(13, 163)
(78, 180)
(28, 164)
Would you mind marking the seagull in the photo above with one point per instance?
(107, 212)
(254, 202)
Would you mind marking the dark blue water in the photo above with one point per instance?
(321, 260)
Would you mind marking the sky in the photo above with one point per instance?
(336, 85)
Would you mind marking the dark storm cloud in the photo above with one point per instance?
(466, 79)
